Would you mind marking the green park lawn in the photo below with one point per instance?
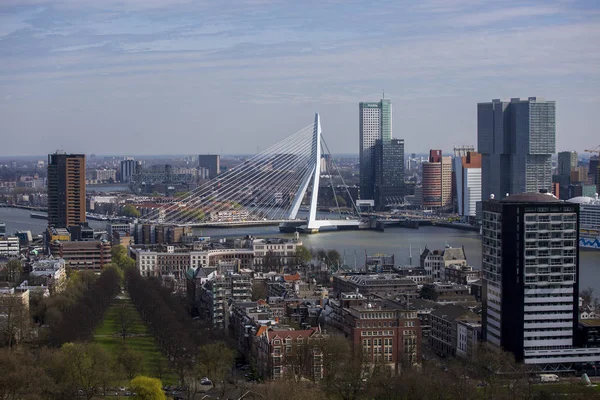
(107, 336)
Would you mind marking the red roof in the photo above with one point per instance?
(292, 278)
(291, 334)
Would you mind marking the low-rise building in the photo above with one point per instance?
(84, 255)
(280, 353)
(51, 273)
(445, 338)
(384, 331)
(274, 253)
(383, 285)
(434, 261)
(216, 294)
(462, 274)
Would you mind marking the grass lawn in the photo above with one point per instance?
(107, 336)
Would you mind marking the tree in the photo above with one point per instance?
(334, 257)
(215, 361)
(130, 361)
(14, 268)
(125, 317)
(340, 201)
(87, 366)
(131, 211)
(16, 320)
(118, 254)
(428, 292)
(343, 369)
(146, 388)
(271, 262)
(289, 390)
(303, 255)
(22, 376)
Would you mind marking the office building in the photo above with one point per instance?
(594, 167)
(129, 167)
(389, 172)
(567, 160)
(66, 189)
(9, 246)
(211, 162)
(530, 288)
(375, 123)
(437, 181)
(83, 256)
(467, 178)
(516, 139)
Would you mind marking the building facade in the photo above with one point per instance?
(66, 189)
(567, 160)
(389, 172)
(530, 278)
(211, 162)
(83, 255)
(446, 337)
(9, 246)
(437, 181)
(516, 139)
(385, 332)
(467, 172)
(375, 123)
(129, 168)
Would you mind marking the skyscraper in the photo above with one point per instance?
(530, 263)
(516, 140)
(567, 160)
(389, 172)
(375, 123)
(467, 171)
(437, 180)
(212, 162)
(128, 168)
(66, 189)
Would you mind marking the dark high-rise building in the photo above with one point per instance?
(516, 140)
(389, 172)
(66, 189)
(212, 162)
(567, 160)
(593, 169)
(530, 262)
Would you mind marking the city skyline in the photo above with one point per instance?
(158, 76)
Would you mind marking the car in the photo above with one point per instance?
(206, 383)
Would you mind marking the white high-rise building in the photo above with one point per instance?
(467, 172)
(530, 285)
(375, 123)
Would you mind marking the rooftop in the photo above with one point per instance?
(531, 197)
(450, 312)
(590, 323)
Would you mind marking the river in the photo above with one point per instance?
(351, 244)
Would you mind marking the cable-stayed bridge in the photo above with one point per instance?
(266, 189)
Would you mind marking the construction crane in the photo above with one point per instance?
(595, 150)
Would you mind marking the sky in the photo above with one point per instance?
(230, 77)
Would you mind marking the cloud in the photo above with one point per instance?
(499, 15)
(166, 61)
